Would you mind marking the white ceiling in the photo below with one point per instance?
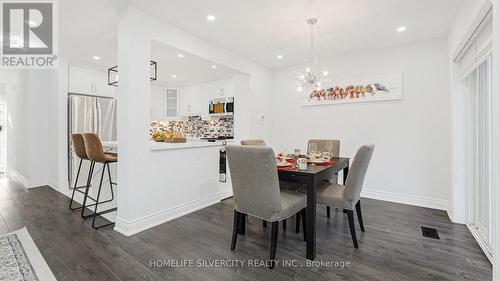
(188, 70)
(86, 29)
(261, 29)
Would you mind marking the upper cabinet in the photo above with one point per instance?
(195, 99)
(164, 102)
(89, 81)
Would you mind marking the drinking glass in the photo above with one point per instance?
(313, 149)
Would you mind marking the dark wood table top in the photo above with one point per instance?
(340, 163)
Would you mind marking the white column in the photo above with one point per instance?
(496, 139)
(133, 97)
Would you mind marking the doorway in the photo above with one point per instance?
(2, 129)
(475, 83)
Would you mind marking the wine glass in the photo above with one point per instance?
(329, 148)
(313, 149)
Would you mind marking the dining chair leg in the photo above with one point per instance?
(235, 230)
(274, 242)
(297, 222)
(264, 224)
(350, 218)
(284, 225)
(360, 216)
(304, 223)
(327, 211)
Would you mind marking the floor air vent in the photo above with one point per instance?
(430, 232)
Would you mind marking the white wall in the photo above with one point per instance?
(135, 176)
(31, 140)
(411, 163)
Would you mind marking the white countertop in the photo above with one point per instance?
(110, 144)
(187, 145)
(166, 146)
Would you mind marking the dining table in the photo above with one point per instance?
(311, 177)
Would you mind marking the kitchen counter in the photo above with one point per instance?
(155, 146)
(187, 145)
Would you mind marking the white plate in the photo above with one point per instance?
(281, 165)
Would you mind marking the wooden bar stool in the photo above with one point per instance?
(95, 152)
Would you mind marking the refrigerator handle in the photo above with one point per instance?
(97, 116)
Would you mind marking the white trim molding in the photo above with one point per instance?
(17, 177)
(129, 228)
(484, 246)
(439, 204)
(28, 183)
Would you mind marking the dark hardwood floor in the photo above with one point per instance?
(391, 249)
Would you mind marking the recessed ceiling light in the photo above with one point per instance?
(174, 76)
(279, 57)
(210, 17)
(401, 29)
(180, 55)
(96, 57)
(214, 66)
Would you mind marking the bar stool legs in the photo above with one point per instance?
(75, 187)
(89, 180)
(96, 214)
(87, 196)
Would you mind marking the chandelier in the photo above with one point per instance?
(312, 78)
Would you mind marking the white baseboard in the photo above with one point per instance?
(129, 228)
(481, 242)
(453, 217)
(425, 202)
(24, 181)
(54, 184)
(17, 177)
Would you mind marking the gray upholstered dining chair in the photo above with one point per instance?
(323, 145)
(284, 185)
(257, 193)
(348, 197)
(256, 142)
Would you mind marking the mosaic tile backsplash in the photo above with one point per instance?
(195, 127)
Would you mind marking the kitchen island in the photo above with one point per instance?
(178, 178)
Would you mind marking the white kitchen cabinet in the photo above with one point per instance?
(80, 80)
(101, 86)
(194, 99)
(171, 102)
(164, 102)
(189, 100)
(157, 102)
(89, 81)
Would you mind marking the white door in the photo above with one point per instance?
(476, 88)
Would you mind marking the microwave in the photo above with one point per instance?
(221, 106)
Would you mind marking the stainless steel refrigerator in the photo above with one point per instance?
(88, 114)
